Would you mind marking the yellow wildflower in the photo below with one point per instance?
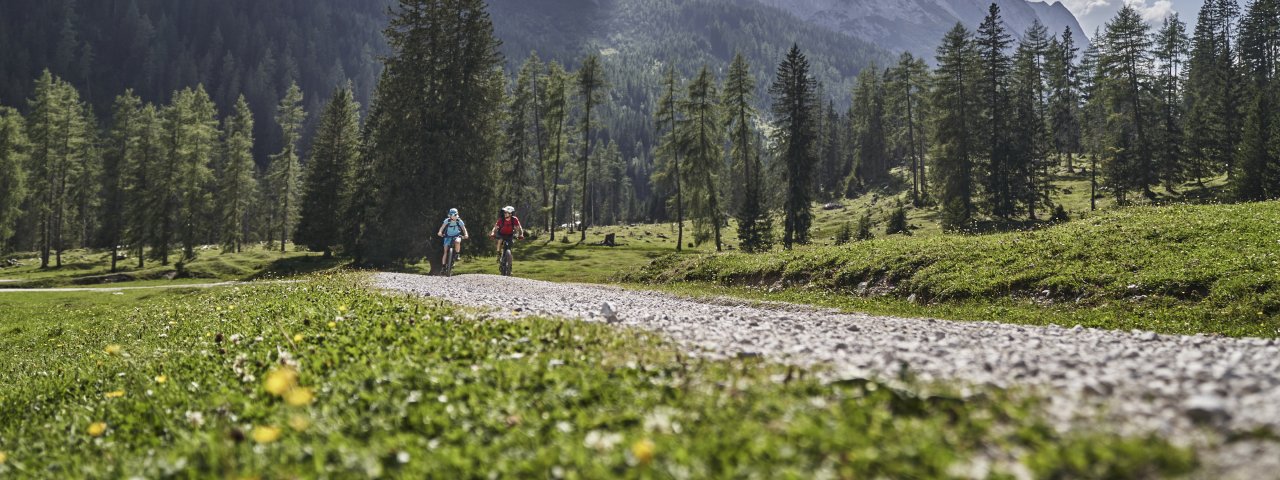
(3, 457)
(342, 309)
(333, 324)
(299, 422)
(281, 380)
(299, 396)
(643, 450)
(96, 429)
(161, 379)
(115, 394)
(297, 337)
(112, 349)
(262, 434)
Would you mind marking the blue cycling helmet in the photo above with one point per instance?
(453, 211)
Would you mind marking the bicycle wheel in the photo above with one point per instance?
(448, 264)
(505, 265)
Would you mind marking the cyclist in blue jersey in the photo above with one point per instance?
(453, 231)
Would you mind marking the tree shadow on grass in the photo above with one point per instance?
(293, 266)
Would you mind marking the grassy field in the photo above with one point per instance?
(93, 268)
(327, 378)
(1174, 269)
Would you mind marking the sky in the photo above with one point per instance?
(1096, 13)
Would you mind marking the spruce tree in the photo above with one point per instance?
(435, 127)
(1064, 97)
(199, 132)
(955, 112)
(667, 174)
(905, 85)
(701, 138)
(122, 145)
(139, 176)
(992, 42)
(1125, 63)
(1212, 92)
(754, 226)
(13, 178)
(236, 184)
(1259, 155)
(286, 169)
(328, 182)
(591, 84)
(1170, 54)
(867, 118)
(521, 144)
(795, 110)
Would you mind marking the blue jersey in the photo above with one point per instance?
(453, 228)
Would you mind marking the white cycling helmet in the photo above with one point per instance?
(509, 209)
(453, 211)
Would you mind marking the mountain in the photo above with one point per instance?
(917, 26)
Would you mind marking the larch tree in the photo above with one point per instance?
(755, 229)
(668, 175)
(701, 138)
(286, 169)
(591, 84)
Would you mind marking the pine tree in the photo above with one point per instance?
(701, 138)
(754, 226)
(236, 184)
(591, 84)
(122, 145)
(198, 128)
(1064, 97)
(435, 127)
(867, 117)
(1259, 157)
(1170, 53)
(668, 175)
(1125, 64)
(1212, 92)
(1028, 140)
(13, 178)
(554, 120)
(285, 166)
(139, 180)
(795, 111)
(1092, 113)
(328, 182)
(521, 145)
(992, 42)
(906, 86)
(955, 114)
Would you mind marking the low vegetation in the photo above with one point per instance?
(1175, 269)
(85, 267)
(325, 377)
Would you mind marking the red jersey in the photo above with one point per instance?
(507, 226)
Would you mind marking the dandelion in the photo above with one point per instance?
(115, 394)
(96, 429)
(342, 309)
(112, 349)
(3, 457)
(299, 423)
(161, 379)
(297, 337)
(281, 380)
(643, 450)
(333, 324)
(264, 434)
(298, 396)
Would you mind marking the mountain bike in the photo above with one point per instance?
(505, 258)
(449, 261)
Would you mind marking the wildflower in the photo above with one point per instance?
(3, 457)
(263, 434)
(297, 337)
(333, 324)
(112, 349)
(195, 418)
(281, 380)
(299, 423)
(342, 309)
(643, 450)
(96, 429)
(161, 379)
(115, 394)
(298, 396)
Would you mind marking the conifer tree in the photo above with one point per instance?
(13, 178)
(591, 84)
(867, 118)
(754, 226)
(140, 174)
(905, 88)
(286, 169)
(122, 145)
(668, 175)
(555, 124)
(328, 181)
(701, 138)
(1259, 156)
(58, 132)
(1212, 92)
(237, 187)
(1125, 63)
(1064, 97)
(953, 127)
(992, 42)
(198, 132)
(1170, 53)
(795, 110)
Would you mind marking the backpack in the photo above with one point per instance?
(453, 228)
(508, 227)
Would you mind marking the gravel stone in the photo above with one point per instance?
(1138, 381)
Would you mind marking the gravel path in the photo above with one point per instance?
(1183, 386)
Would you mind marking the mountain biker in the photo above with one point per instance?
(454, 231)
(508, 225)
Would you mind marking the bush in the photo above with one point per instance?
(844, 234)
(864, 227)
(898, 221)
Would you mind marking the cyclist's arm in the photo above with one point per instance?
(440, 232)
(464, 232)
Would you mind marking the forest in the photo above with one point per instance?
(978, 136)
